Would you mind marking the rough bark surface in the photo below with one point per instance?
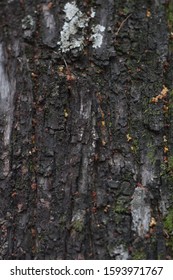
(86, 129)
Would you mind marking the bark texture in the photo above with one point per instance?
(86, 129)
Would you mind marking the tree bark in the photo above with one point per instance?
(86, 130)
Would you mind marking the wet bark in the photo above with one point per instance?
(86, 149)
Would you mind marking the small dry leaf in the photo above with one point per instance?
(33, 139)
(129, 138)
(34, 75)
(164, 91)
(148, 13)
(166, 149)
(34, 149)
(70, 77)
(153, 222)
(165, 108)
(65, 113)
(14, 194)
(162, 95)
(103, 123)
(61, 70)
(33, 186)
(165, 159)
(102, 113)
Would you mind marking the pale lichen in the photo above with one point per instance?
(119, 252)
(75, 21)
(28, 26)
(97, 36)
(73, 35)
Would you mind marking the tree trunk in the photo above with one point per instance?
(86, 129)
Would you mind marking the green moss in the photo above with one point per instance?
(169, 13)
(110, 124)
(135, 149)
(63, 220)
(170, 164)
(31, 166)
(168, 226)
(139, 255)
(126, 10)
(171, 94)
(151, 156)
(170, 104)
(167, 169)
(135, 145)
(78, 225)
(151, 153)
(168, 222)
(120, 207)
(131, 65)
(128, 176)
(117, 218)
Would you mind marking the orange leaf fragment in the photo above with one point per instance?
(33, 186)
(70, 77)
(14, 194)
(162, 95)
(164, 91)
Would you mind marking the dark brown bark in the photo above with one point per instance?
(86, 149)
